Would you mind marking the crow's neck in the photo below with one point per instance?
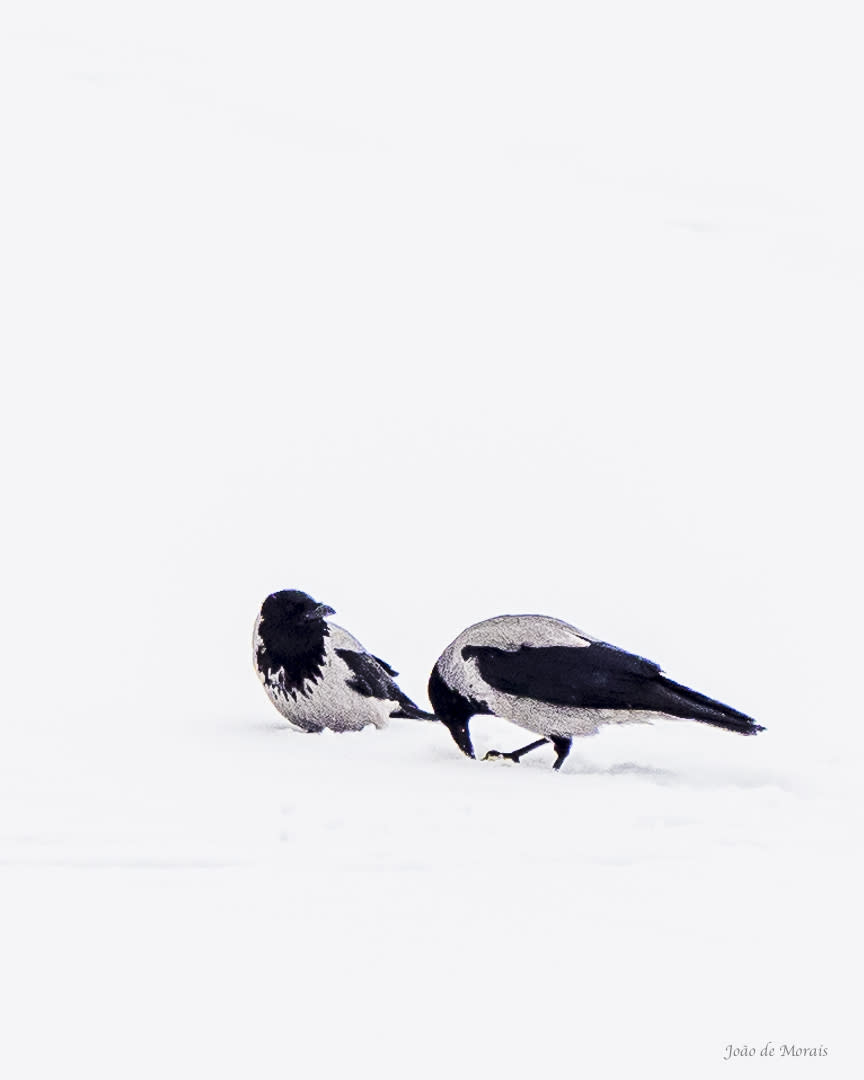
(297, 650)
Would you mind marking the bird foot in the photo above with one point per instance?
(491, 754)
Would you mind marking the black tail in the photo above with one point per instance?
(678, 700)
(409, 711)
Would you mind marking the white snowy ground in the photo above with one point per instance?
(436, 312)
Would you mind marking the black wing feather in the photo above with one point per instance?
(598, 676)
(385, 665)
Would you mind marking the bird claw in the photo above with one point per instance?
(490, 755)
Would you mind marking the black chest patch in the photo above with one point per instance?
(291, 655)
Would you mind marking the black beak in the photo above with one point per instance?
(320, 612)
(461, 736)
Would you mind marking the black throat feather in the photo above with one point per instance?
(291, 653)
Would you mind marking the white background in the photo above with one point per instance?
(437, 312)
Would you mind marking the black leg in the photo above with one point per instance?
(562, 744)
(516, 754)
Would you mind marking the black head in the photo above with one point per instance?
(454, 710)
(293, 635)
(292, 608)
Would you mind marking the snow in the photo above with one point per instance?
(436, 314)
(228, 899)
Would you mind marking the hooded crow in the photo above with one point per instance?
(551, 678)
(319, 676)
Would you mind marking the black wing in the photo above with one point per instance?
(385, 665)
(598, 676)
(371, 677)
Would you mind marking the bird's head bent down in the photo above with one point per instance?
(559, 682)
